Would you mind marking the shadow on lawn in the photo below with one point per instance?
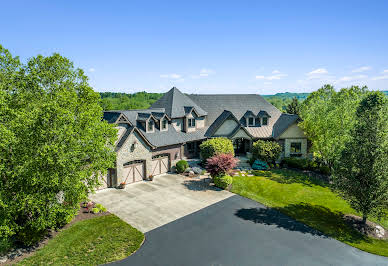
(319, 217)
(286, 176)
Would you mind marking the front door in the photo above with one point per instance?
(239, 146)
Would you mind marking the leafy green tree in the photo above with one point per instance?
(328, 116)
(361, 173)
(215, 146)
(267, 151)
(54, 144)
(293, 107)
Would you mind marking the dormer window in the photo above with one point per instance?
(251, 121)
(164, 124)
(265, 121)
(191, 122)
(150, 126)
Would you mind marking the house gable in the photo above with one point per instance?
(293, 132)
(226, 128)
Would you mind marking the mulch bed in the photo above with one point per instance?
(371, 229)
(22, 252)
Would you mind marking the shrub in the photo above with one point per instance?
(197, 170)
(100, 207)
(220, 164)
(223, 181)
(267, 151)
(181, 166)
(215, 146)
(306, 164)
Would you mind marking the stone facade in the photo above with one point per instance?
(134, 148)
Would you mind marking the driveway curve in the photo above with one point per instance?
(239, 231)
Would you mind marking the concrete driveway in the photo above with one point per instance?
(149, 205)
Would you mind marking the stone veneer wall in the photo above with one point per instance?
(141, 152)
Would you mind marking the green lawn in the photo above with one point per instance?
(310, 201)
(90, 242)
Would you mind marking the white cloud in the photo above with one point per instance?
(91, 69)
(277, 76)
(318, 71)
(206, 72)
(385, 71)
(170, 76)
(380, 77)
(352, 78)
(268, 83)
(361, 69)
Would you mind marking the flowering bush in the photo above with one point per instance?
(220, 164)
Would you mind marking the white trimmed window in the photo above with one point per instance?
(164, 124)
(251, 121)
(264, 121)
(191, 122)
(150, 126)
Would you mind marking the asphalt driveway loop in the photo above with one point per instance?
(150, 204)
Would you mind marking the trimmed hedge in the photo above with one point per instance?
(181, 166)
(267, 151)
(223, 181)
(215, 146)
(306, 164)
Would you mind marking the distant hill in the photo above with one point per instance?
(286, 95)
(143, 100)
(128, 101)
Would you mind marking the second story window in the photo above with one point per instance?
(251, 121)
(265, 121)
(164, 124)
(150, 125)
(191, 122)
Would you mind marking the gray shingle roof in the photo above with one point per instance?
(111, 117)
(238, 104)
(217, 107)
(175, 104)
(284, 121)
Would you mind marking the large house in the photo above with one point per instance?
(151, 141)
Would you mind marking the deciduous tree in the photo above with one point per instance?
(328, 116)
(54, 144)
(361, 172)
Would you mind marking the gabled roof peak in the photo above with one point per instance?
(175, 104)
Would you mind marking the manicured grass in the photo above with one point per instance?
(309, 201)
(90, 242)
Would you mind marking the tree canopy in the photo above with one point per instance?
(328, 116)
(361, 172)
(54, 144)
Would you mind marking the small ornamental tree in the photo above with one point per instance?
(267, 151)
(361, 173)
(220, 164)
(215, 146)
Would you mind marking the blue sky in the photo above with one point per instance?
(207, 46)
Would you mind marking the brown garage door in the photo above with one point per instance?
(106, 180)
(159, 165)
(133, 171)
